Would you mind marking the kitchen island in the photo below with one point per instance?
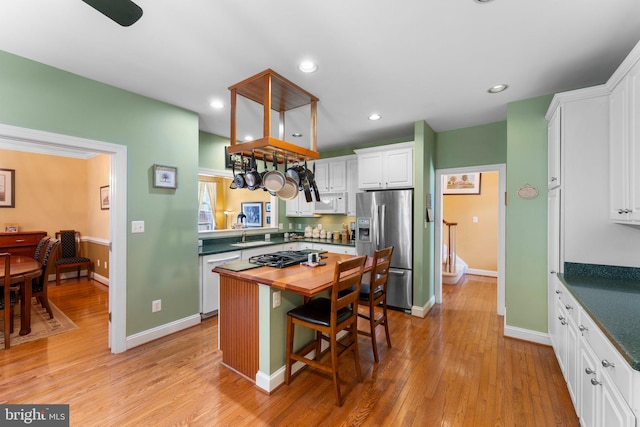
(253, 311)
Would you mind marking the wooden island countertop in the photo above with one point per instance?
(252, 326)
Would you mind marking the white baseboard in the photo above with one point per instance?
(526, 335)
(422, 311)
(479, 272)
(99, 278)
(162, 331)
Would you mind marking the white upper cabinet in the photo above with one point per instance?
(553, 176)
(300, 207)
(331, 175)
(624, 140)
(385, 167)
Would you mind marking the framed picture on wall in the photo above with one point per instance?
(7, 188)
(104, 197)
(253, 211)
(466, 183)
(165, 176)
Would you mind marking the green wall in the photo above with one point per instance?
(472, 146)
(162, 263)
(526, 240)
(211, 151)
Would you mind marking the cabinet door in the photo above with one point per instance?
(618, 156)
(370, 171)
(554, 137)
(571, 363)
(633, 151)
(322, 176)
(352, 186)
(588, 392)
(398, 167)
(292, 207)
(305, 208)
(337, 175)
(614, 411)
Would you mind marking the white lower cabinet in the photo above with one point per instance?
(599, 380)
(210, 281)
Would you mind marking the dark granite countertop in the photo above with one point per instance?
(614, 304)
(215, 246)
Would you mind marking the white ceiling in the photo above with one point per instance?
(407, 60)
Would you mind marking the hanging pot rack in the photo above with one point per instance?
(274, 93)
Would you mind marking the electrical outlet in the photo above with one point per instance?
(105, 264)
(299, 226)
(277, 299)
(137, 226)
(98, 262)
(280, 226)
(290, 226)
(156, 305)
(475, 219)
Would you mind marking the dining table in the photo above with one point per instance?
(23, 270)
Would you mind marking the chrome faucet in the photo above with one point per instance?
(244, 236)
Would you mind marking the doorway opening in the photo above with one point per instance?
(40, 141)
(440, 228)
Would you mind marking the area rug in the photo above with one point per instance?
(41, 325)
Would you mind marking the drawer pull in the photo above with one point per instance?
(558, 291)
(563, 322)
(607, 364)
(582, 328)
(589, 371)
(595, 381)
(19, 240)
(561, 317)
(568, 307)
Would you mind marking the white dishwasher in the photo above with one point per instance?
(210, 290)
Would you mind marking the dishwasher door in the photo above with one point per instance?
(210, 289)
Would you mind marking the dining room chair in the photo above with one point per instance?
(39, 285)
(373, 298)
(70, 255)
(328, 317)
(40, 248)
(8, 298)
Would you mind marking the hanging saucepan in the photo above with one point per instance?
(290, 189)
(253, 177)
(274, 180)
(304, 178)
(239, 178)
(292, 173)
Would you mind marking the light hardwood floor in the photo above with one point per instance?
(453, 368)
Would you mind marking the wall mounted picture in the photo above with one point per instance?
(104, 197)
(165, 176)
(267, 206)
(7, 188)
(466, 183)
(253, 211)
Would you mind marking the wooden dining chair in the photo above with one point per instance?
(70, 254)
(8, 298)
(373, 297)
(40, 249)
(39, 285)
(328, 317)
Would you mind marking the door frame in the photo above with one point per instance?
(48, 141)
(501, 168)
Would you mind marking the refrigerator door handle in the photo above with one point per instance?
(376, 229)
(397, 273)
(383, 208)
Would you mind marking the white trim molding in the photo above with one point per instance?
(162, 331)
(421, 312)
(478, 272)
(526, 335)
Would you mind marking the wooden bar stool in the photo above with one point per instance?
(374, 295)
(328, 316)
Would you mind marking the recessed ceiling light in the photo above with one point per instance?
(307, 66)
(375, 116)
(483, 1)
(296, 135)
(248, 138)
(498, 88)
(217, 104)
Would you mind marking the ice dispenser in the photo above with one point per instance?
(364, 229)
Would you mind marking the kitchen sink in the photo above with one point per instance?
(248, 244)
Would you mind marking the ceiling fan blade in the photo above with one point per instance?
(124, 12)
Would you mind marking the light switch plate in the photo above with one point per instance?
(137, 226)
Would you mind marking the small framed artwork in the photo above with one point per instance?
(253, 211)
(104, 197)
(11, 227)
(165, 176)
(267, 206)
(268, 218)
(467, 183)
(7, 188)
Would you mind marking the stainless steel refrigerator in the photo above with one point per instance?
(385, 218)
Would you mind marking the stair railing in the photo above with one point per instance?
(450, 239)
